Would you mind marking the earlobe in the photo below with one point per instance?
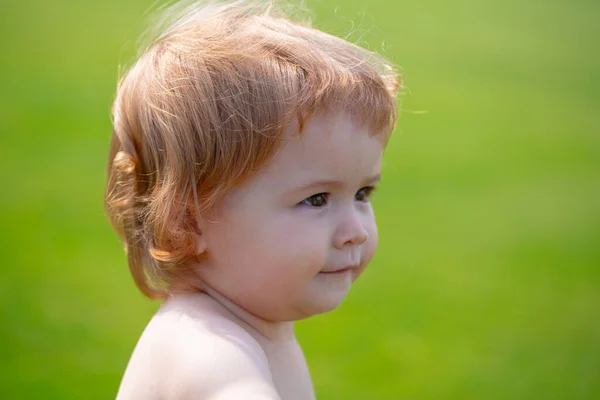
(200, 243)
(197, 232)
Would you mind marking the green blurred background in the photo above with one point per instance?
(486, 284)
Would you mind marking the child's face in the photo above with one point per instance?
(273, 242)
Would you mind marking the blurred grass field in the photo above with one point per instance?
(486, 284)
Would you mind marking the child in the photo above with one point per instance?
(244, 152)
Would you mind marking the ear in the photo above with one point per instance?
(200, 244)
(199, 240)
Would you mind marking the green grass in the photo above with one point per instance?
(487, 281)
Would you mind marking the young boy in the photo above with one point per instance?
(244, 152)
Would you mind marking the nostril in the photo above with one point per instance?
(351, 232)
(358, 238)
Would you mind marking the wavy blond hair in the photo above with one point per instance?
(204, 106)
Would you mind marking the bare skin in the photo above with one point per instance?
(285, 245)
(273, 366)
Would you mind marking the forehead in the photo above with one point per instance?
(331, 146)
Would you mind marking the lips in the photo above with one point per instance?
(338, 270)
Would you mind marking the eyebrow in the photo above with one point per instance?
(333, 183)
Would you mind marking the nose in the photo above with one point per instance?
(350, 232)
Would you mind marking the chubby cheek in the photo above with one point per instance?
(301, 246)
(369, 247)
(282, 249)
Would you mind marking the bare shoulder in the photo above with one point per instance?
(189, 351)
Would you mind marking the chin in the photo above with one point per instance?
(319, 303)
(308, 310)
(329, 306)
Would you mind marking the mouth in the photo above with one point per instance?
(336, 271)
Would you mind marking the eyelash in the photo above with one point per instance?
(368, 192)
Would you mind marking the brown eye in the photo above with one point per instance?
(317, 200)
(364, 193)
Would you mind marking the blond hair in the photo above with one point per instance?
(204, 107)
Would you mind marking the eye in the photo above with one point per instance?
(317, 200)
(364, 193)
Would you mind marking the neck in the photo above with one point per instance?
(262, 329)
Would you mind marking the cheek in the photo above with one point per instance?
(282, 243)
(301, 242)
(373, 241)
(371, 244)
